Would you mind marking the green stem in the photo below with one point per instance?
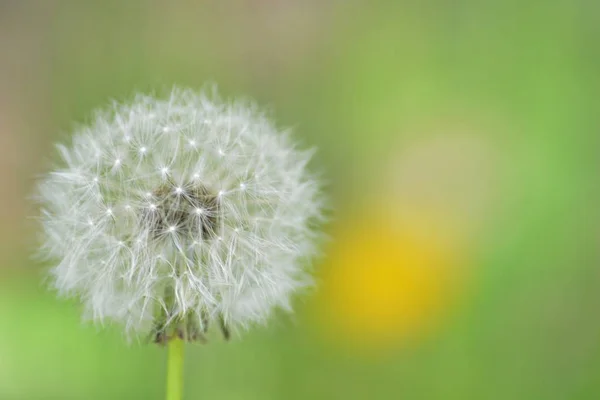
(175, 369)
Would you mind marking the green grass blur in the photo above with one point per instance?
(364, 82)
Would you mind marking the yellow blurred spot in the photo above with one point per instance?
(390, 277)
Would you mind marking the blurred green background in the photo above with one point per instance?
(475, 122)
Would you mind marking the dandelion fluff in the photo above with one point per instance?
(168, 215)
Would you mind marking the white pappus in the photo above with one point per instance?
(167, 215)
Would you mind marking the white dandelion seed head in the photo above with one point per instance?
(184, 210)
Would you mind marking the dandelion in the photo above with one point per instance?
(393, 276)
(172, 215)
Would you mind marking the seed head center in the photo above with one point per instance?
(190, 210)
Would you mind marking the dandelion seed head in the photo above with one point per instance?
(187, 231)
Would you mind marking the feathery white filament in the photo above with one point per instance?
(186, 195)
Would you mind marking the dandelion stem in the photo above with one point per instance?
(175, 369)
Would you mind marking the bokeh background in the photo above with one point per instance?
(460, 143)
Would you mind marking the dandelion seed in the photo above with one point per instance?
(188, 255)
